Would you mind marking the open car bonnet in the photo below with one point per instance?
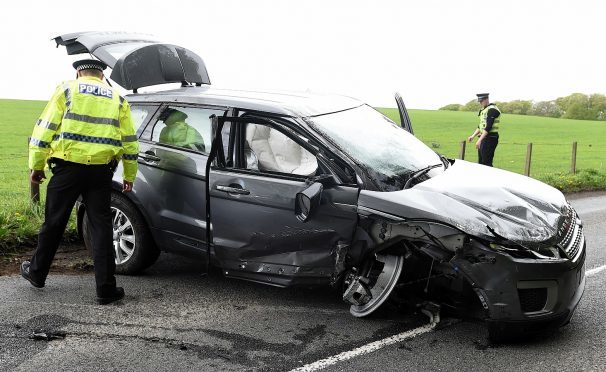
(482, 201)
(138, 60)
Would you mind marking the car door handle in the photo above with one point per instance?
(233, 190)
(149, 156)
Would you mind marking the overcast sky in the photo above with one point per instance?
(432, 52)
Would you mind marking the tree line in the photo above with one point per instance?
(575, 106)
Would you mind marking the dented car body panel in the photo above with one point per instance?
(265, 242)
(517, 278)
(481, 201)
(515, 290)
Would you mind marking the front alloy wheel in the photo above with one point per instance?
(379, 284)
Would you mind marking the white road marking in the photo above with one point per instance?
(374, 346)
(368, 348)
(595, 270)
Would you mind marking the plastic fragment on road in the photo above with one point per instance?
(47, 336)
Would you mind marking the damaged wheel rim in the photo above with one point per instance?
(382, 287)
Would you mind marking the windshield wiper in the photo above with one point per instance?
(419, 173)
(444, 160)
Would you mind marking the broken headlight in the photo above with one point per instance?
(551, 253)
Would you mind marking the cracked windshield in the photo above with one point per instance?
(388, 153)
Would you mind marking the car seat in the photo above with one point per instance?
(274, 151)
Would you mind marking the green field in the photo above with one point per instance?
(551, 139)
(442, 130)
(19, 222)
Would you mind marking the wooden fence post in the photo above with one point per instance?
(34, 192)
(528, 159)
(462, 151)
(573, 165)
(34, 188)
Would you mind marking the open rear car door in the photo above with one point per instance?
(138, 60)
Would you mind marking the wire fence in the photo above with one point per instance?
(525, 158)
(531, 158)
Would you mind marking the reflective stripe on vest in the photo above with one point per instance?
(483, 116)
(47, 124)
(91, 119)
(88, 139)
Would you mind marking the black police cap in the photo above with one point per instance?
(482, 96)
(89, 64)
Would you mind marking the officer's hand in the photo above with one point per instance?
(127, 186)
(478, 144)
(470, 138)
(37, 176)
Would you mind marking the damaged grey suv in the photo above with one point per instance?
(301, 189)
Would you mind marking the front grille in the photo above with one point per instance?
(574, 248)
(571, 235)
(532, 299)
(566, 229)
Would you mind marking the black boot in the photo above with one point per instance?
(25, 273)
(111, 296)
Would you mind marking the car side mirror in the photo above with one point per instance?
(307, 201)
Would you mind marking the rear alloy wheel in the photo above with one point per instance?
(133, 247)
(124, 238)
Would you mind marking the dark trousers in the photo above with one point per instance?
(93, 183)
(486, 150)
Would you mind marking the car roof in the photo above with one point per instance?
(281, 103)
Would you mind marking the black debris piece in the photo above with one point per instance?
(47, 336)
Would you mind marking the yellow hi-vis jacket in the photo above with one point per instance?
(86, 121)
(483, 114)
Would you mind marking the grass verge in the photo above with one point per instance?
(583, 180)
(20, 222)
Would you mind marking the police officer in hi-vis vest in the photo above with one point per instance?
(487, 130)
(85, 129)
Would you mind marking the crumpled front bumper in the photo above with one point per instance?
(529, 294)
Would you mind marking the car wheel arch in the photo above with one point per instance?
(145, 252)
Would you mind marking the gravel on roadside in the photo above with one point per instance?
(71, 258)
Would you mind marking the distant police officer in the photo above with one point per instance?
(85, 129)
(487, 130)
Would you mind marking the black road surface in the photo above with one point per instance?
(174, 319)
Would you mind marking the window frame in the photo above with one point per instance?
(148, 119)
